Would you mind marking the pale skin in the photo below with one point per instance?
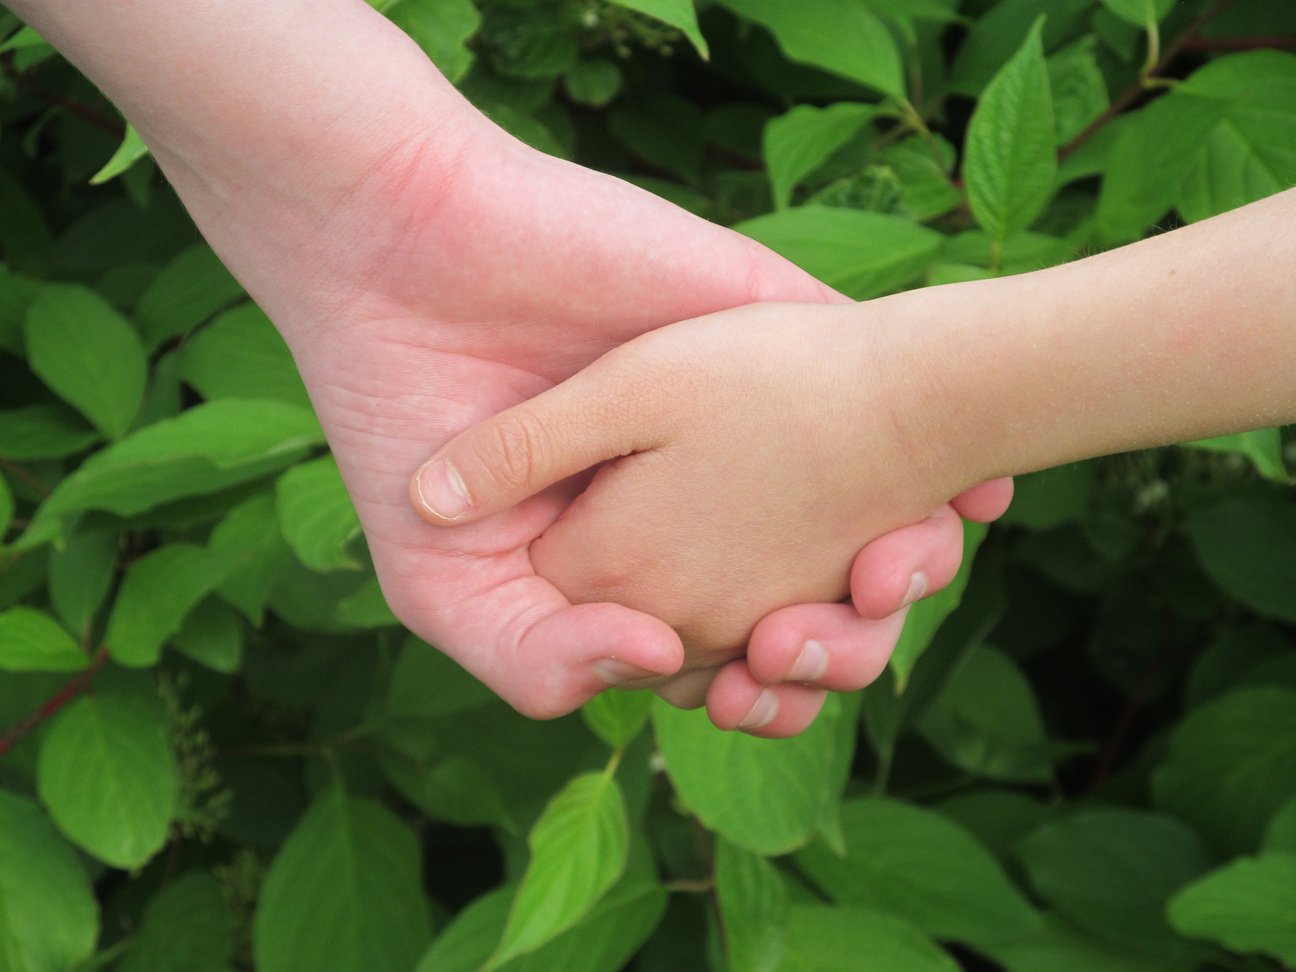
(427, 272)
(753, 451)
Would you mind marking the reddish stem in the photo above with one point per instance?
(74, 687)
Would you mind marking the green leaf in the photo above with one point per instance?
(1149, 162)
(1263, 448)
(34, 642)
(212, 636)
(798, 142)
(188, 290)
(822, 939)
(131, 150)
(594, 82)
(1140, 13)
(1010, 159)
(677, 13)
(442, 28)
(159, 590)
(1227, 538)
(862, 254)
(926, 616)
(666, 131)
(1078, 88)
(1281, 833)
(80, 575)
(987, 721)
(1231, 765)
(617, 717)
(343, 893)
(187, 925)
(241, 355)
(106, 774)
(996, 35)
(316, 515)
(43, 432)
(6, 507)
(253, 551)
(1247, 906)
(365, 607)
(48, 916)
(87, 353)
(1251, 153)
(720, 777)
(203, 450)
(1060, 947)
(1111, 871)
(428, 684)
(836, 35)
(578, 850)
(754, 908)
(915, 865)
(997, 818)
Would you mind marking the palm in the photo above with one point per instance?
(524, 274)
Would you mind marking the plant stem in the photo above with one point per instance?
(74, 687)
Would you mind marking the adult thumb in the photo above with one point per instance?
(515, 454)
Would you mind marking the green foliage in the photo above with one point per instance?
(219, 752)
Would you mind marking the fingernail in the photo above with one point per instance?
(917, 587)
(762, 713)
(616, 672)
(441, 490)
(810, 664)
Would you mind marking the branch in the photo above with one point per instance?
(1140, 87)
(75, 686)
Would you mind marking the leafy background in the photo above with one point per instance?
(218, 751)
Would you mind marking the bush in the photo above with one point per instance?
(1082, 757)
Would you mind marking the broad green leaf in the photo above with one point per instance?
(365, 607)
(1010, 159)
(754, 908)
(1232, 661)
(1231, 765)
(1228, 538)
(837, 35)
(88, 354)
(797, 143)
(604, 939)
(578, 850)
(923, 169)
(666, 131)
(862, 254)
(428, 684)
(241, 355)
(1061, 947)
(1263, 448)
(254, 553)
(34, 642)
(107, 777)
(48, 916)
(997, 34)
(1078, 88)
(926, 616)
(997, 818)
(593, 81)
(16, 293)
(987, 721)
(1140, 13)
(1111, 871)
(1051, 497)
(131, 150)
(442, 28)
(188, 290)
(80, 574)
(1251, 153)
(915, 865)
(1149, 162)
(823, 939)
(186, 926)
(766, 795)
(316, 515)
(677, 13)
(1281, 832)
(212, 636)
(617, 717)
(159, 590)
(1248, 906)
(43, 432)
(343, 893)
(203, 450)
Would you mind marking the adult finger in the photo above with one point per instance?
(737, 701)
(829, 646)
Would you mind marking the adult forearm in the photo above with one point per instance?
(263, 115)
(1187, 335)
